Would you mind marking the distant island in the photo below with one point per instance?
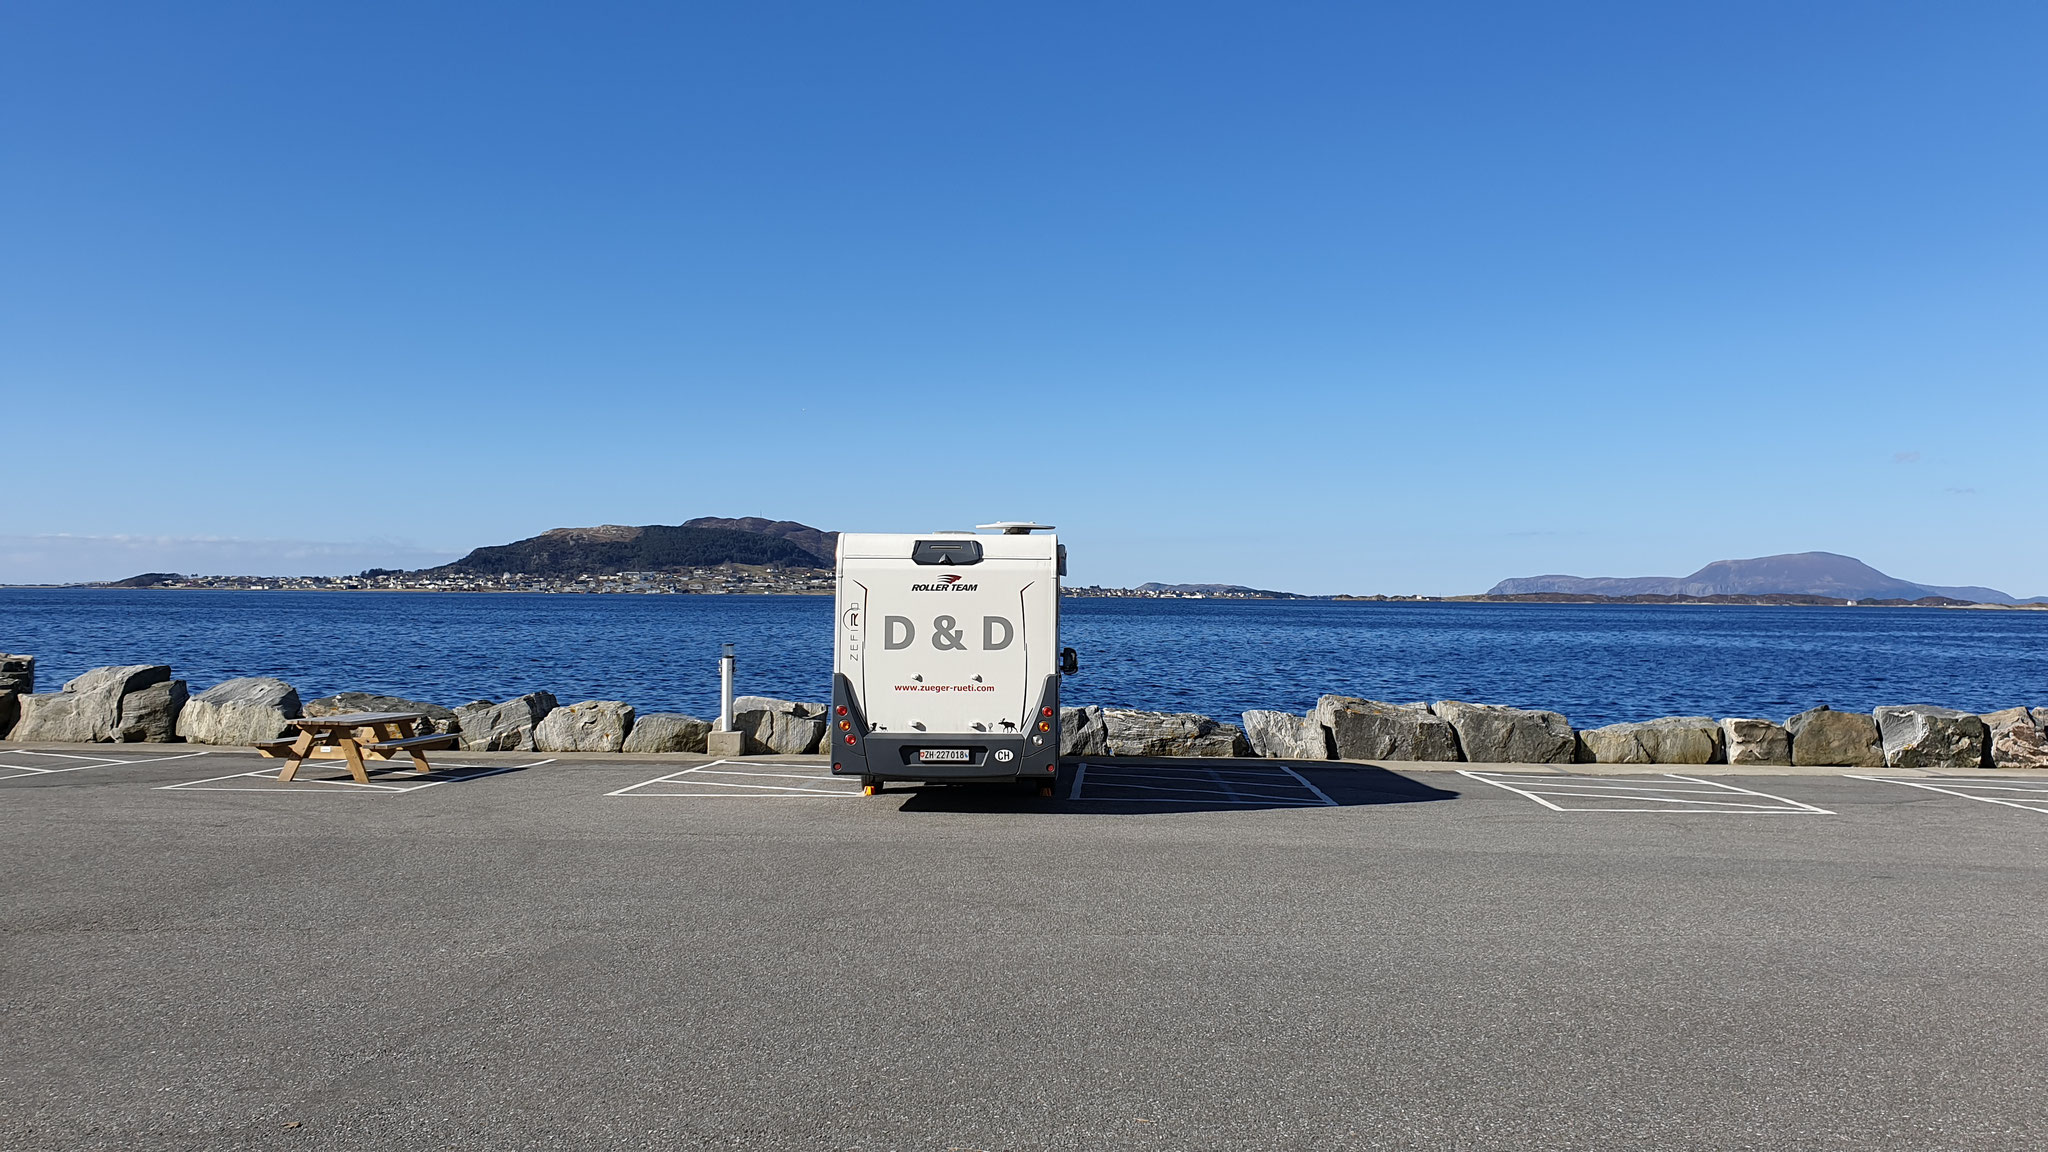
(709, 555)
(1825, 576)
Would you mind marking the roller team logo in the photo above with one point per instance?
(950, 582)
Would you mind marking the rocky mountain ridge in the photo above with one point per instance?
(702, 543)
(818, 542)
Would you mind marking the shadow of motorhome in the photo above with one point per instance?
(1145, 786)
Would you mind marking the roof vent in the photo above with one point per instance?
(1017, 527)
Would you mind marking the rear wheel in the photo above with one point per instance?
(870, 785)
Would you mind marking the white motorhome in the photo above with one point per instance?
(946, 656)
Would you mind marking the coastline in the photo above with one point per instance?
(1539, 599)
(1592, 663)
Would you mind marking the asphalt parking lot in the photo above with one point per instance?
(524, 951)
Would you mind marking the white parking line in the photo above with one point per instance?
(1801, 805)
(708, 770)
(1641, 794)
(2015, 793)
(20, 771)
(1586, 784)
(742, 783)
(1261, 786)
(1318, 793)
(265, 780)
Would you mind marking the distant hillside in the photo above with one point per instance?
(1216, 590)
(1799, 573)
(146, 580)
(649, 548)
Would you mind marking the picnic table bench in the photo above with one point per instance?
(357, 737)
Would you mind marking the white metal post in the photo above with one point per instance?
(725, 663)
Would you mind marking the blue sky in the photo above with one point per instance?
(1325, 297)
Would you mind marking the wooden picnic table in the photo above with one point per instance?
(354, 737)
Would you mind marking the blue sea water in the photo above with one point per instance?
(1595, 663)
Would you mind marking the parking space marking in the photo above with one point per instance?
(20, 771)
(2029, 795)
(265, 780)
(1689, 794)
(1264, 785)
(732, 778)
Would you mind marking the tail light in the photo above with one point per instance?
(1045, 712)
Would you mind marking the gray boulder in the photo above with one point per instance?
(589, 726)
(1493, 734)
(666, 732)
(1373, 730)
(1285, 736)
(17, 674)
(440, 721)
(782, 727)
(1749, 741)
(771, 704)
(2017, 739)
(1923, 736)
(88, 708)
(1825, 738)
(1669, 740)
(150, 715)
(1083, 732)
(62, 717)
(117, 680)
(1134, 733)
(245, 710)
(507, 727)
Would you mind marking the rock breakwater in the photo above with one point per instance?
(143, 703)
